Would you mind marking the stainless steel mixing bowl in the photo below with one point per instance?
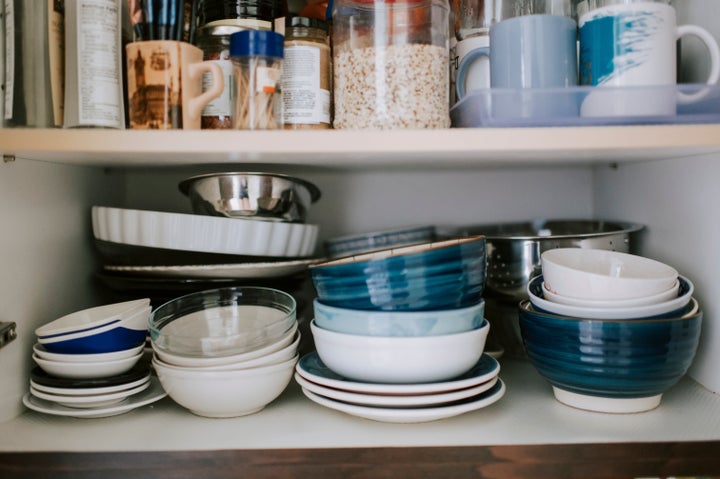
(513, 252)
(259, 196)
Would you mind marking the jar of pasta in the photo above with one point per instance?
(390, 64)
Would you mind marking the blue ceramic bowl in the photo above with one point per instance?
(377, 240)
(430, 276)
(119, 335)
(613, 365)
(398, 323)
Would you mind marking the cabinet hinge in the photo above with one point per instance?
(7, 333)
(8, 158)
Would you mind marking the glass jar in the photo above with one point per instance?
(257, 57)
(390, 64)
(306, 75)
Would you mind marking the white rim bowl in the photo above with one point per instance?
(91, 318)
(663, 296)
(137, 322)
(226, 393)
(43, 353)
(204, 361)
(82, 370)
(400, 359)
(596, 274)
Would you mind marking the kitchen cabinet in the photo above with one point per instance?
(662, 176)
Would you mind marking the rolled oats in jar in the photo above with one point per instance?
(390, 64)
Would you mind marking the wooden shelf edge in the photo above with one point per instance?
(589, 461)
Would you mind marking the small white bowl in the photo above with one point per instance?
(91, 318)
(596, 274)
(677, 304)
(200, 361)
(43, 353)
(225, 393)
(400, 359)
(671, 293)
(276, 357)
(87, 369)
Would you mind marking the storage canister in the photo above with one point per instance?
(306, 75)
(257, 57)
(390, 62)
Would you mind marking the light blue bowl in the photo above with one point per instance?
(431, 276)
(398, 323)
(612, 359)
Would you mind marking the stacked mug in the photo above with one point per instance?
(405, 316)
(610, 331)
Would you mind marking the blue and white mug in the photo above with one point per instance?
(633, 45)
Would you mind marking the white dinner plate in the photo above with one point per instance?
(82, 391)
(269, 269)
(89, 401)
(208, 234)
(395, 400)
(150, 395)
(313, 369)
(412, 415)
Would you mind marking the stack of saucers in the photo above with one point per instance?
(90, 363)
(610, 331)
(400, 334)
(225, 352)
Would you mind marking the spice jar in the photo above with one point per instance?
(257, 57)
(390, 64)
(251, 14)
(306, 75)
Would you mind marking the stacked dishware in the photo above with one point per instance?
(245, 229)
(225, 352)
(514, 251)
(348, 245)
(399, 334)
(611, 332)
(90, 363)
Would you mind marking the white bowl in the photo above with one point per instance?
(225, 393)
(400, 359)
(208, 361)
(276, 357)
(596, 274)
(631, 312)
(200, 233)
(91, 318)
(43, 353)
(84, 370)
(671, 293)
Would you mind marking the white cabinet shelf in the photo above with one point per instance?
(363, 149)
(527, 414)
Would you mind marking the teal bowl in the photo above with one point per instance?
(430, 276)
(618, 365)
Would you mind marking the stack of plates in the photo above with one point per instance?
(93, 397)
(401, 403)
(164, 255)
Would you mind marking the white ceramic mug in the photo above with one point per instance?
(631, 46)
(474, 54)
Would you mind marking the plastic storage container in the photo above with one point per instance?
(390, 62)
(257, 57)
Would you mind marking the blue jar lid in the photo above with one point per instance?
(256, 43)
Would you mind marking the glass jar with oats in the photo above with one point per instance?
(390, 64)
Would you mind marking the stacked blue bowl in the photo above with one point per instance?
(618, 359)
(423, 299)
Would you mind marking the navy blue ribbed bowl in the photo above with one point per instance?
(616, 359)
(442, 275)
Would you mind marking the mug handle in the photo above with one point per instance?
(464, 66)
(218, 84)
(713, 49)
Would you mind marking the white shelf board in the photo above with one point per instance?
(527, 414)
(362, 149)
